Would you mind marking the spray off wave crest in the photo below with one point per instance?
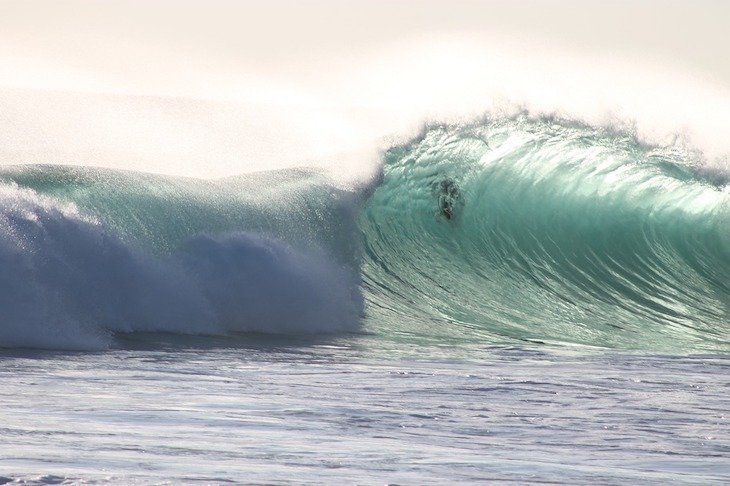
(513, 229)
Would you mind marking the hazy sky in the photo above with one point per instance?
(107, 38)
(410, 58)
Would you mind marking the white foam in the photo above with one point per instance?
(69, 282)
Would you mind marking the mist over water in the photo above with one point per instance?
(221, 121)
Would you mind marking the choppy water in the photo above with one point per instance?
(516, 299)
(276, 412)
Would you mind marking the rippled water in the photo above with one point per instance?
(281, 411)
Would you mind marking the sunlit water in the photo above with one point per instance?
(340, 412)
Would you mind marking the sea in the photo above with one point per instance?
(511, 299)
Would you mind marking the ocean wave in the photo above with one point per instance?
(549, 231)
(502, 230)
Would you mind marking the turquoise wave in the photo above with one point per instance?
(559, 233)
(498, 231)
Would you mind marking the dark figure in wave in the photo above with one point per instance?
(449, 197)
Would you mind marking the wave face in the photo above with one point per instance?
(541, 230)
(509, 230)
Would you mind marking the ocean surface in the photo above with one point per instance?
(516, 299)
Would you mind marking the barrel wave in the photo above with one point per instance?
(506, 230)
(559, 232)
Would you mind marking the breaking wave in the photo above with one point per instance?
(555, 232)
(515, 229)
(74, 281)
